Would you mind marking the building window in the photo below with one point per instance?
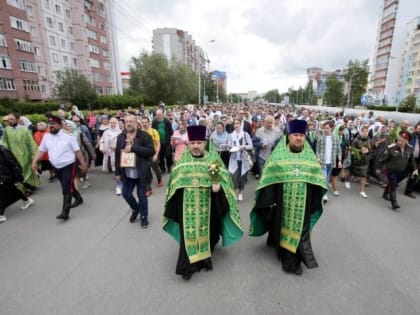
(63, 43)
(34, 31)
(105, 53)
(107, 66)
(70, 30)
(47, 4)
(41, 70)
(91, 34)
(7, 84)
(58, 9)
(68, 14)
(52, 40)
(43, 89)
(72, 45)
(29, 10)
(55, 57)
(27, 66)
(93, 63)
(23, 45)
(93, 49)
(61, 27)
(17, 4)
(19, 24)
(37, 51)
(109, 91)
(74, 61)
(5, 62)
(98, 89)
(30, 85)
(3, 41)
(102, 26)
(50, 22)
(104, 40)
(66, 60)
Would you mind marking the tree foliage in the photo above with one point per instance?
(334, 92)
(74, 87)
(156, 79)
(358, 71)
(273, 96)
(409, 104)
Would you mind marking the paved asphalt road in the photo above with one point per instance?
(99, 263)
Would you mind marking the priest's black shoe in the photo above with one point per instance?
(410, 195)
(133, 217)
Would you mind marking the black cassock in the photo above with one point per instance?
(218, 209)
(269, 207)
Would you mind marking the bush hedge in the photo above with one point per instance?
(8, 105)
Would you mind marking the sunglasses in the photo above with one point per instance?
(76, 120)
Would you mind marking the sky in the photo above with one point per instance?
(260, 44)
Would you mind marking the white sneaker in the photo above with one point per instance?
(240, 197)
(329, 185)
(86, 185)
(2, 218)
(118, 191)
(325, 198)
(336, 193)
(363, 194)
(347, 184)
(27, 203)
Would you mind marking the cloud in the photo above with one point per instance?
(261, 44)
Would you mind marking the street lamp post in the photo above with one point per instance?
(349, 91)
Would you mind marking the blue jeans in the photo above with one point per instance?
(127, 192)
(261, 163)
(326, 171)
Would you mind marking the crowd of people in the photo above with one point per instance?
(265, 141)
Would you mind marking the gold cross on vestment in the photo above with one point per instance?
(297, 171)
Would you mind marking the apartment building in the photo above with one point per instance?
(58, 35)
(387, 57)
(19, 77)
(179, 46)
(409, 78)
(319, 77)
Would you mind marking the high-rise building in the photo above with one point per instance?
(179, 46)
(45, 37)
(318, 77)
(387, 57)
(18, 70)
(409, 78)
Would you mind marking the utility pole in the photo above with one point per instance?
(349, 91)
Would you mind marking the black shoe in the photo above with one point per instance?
(133, 217)
(144, 225)
(187, 275)
(410, 195)
(385, 195)
(395, 205)
(63, 216)
(298, 271)
(77, 202)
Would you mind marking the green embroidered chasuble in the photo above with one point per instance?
(294, 171)
(192, 175)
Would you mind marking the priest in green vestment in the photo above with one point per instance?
(289, 200)
(19, 139)
(200, 205)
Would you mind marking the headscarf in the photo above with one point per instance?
(73, 125)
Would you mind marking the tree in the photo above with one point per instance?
(74, 87)
(273, 96)
(334, 91)
(409, 104)
(149, 77)
(183, 84)
(358, 71)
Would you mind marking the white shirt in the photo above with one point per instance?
(328, 149)
(61, 148)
